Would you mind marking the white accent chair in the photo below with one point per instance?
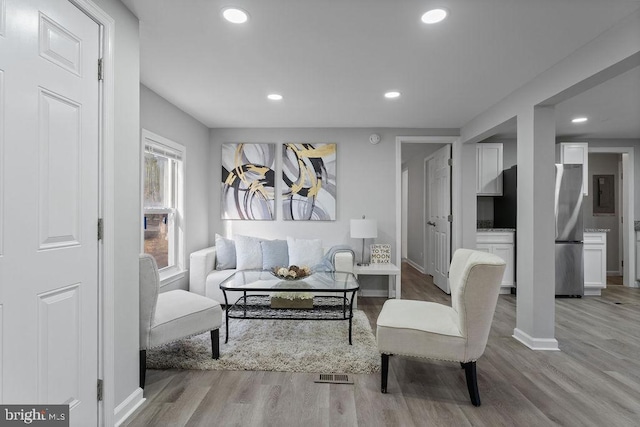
(458, 333)
(169, 316)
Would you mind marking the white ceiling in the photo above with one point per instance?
(332, 60)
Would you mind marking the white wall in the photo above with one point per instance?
(636, 157)
(127, 197)
(416, 153)
(165, 119)
(365, 185)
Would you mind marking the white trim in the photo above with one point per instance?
(541, 344)
(628, 231)
(455, 188)
(592, 291)
(128, 406)
(172, 276)
(106, 264)
(416, 266)
(374, 293)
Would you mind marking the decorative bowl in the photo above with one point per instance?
(292, 272)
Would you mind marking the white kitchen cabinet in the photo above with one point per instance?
(576, 153)
(595, 263)
(501, 243)
(489, 169)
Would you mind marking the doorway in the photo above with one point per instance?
(625, 234)
(415, 150)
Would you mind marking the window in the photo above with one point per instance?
(162, 203)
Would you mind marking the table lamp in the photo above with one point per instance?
(364, 229)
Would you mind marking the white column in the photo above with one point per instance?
(535, 310)
(466, 153)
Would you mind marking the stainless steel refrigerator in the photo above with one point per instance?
(569, 231)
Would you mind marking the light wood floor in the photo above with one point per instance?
(593, 381)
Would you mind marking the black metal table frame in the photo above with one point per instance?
(244, 306)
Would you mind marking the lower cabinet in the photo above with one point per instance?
(501, 243)
(595, 263)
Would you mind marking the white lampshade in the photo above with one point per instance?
(364, 228)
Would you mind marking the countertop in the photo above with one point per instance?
(483, 230)
(597, 230)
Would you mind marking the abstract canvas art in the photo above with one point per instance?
(248, 181)
(309, 182)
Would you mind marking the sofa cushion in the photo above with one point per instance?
(225, 253)
(275, 253)
(304, 252)
(248, 253)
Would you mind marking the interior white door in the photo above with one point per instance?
(430, 226)
(442, 210)
(49, 93)
(405, 214)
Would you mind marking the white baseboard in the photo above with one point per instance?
(384, 293)
(543, 344)
(128, 406)
(416, 266)
(593, 292)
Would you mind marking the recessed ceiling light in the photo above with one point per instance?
(579, 120)
(235, 15)
(392, 94)
(274, 96)
(434, 16)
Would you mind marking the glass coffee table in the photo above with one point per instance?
(333, 294)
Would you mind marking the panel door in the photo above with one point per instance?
(49, 93)
(442, 178)
(489, 169)
(595, 265)
(506, 252)
(577, 153)
(430, 225)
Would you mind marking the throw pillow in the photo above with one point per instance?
(225, 253)
(304, 252)
(275, 253)
(248, 253)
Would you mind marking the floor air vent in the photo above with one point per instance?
(334, 379)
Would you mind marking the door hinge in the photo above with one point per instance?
(100, 228)
(622, 262)
(100, 69)
(450, 218)
(100, 390)
(450, 162)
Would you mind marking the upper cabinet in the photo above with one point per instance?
(489, 168)
(576, 153)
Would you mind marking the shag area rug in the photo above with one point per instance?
(277, 345)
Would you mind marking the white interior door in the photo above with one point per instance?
(49, 93)
(430, 226)
(405, 214)
(442, 211)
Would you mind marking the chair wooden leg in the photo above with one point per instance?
(472, 382)
(384, 372)
(215, 344)
(143, 367)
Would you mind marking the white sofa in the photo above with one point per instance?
(205, 280)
